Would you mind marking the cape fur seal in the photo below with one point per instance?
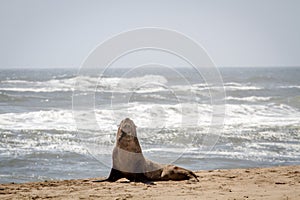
(129, 162)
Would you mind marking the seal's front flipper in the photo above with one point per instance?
(113, 176)
(98, 181)
(148, 183)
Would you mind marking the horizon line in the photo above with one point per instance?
(125, 67)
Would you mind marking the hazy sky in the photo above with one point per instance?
(58, 33)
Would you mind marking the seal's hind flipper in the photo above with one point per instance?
(194, 175)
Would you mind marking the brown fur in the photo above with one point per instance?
(129, 162)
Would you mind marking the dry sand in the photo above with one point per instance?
(257, 183)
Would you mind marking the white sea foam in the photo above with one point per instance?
(154, 116)
(235, 88)
(249, 99)
(231, 86)
(38, 120)
(143, 84)
(86, 83)
(290, 87)
(39, 141)
(32, 89)
(37, 86)
(261, 115)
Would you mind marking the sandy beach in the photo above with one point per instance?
(256, 183)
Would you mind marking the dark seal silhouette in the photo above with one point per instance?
(129, 162)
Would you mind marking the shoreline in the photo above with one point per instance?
(281, 182)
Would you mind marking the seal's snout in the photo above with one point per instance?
(127, 126)
(127, 129)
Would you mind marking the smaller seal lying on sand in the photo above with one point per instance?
(129, 162)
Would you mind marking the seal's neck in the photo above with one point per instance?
(128, 142)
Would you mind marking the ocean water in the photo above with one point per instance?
(40, 139)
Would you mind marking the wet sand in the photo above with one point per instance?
(256, 183)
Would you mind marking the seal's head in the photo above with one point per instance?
(128, 127)
(127, 137)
